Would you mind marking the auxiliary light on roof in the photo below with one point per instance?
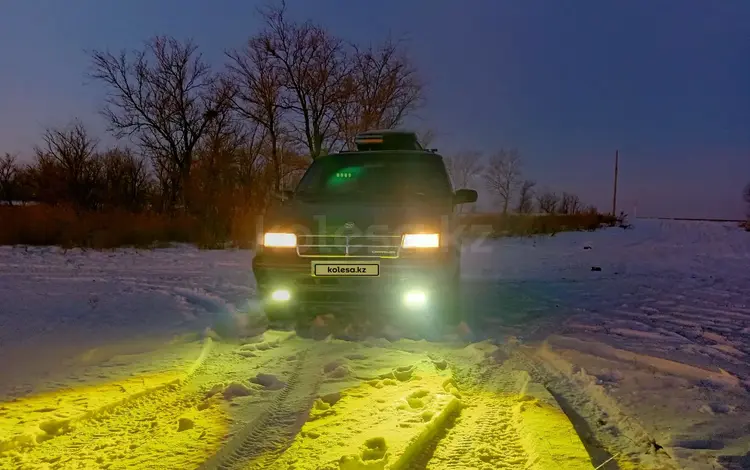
(389, 139)
(369, 140)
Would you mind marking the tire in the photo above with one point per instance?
(280, 317)
(302, 327)
(450, 313)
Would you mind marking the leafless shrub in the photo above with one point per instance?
(548, 202)
(68, 167)
(569, 204)
(125, 180)
(9, 175)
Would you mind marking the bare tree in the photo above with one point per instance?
(8, 178)
(569, 204)
(125, 179)
(381, 89)
(228, 130)
(502, 175)
(314, 64)
(464, 167)
(526, 197)
(168, 180)
(25, 183)
(575, 204)
(258, 82)
(548, 202)
(164, 96)
(293, 166)
(251, 169)
(70, 153)
(564, 204)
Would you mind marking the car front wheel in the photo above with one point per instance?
(449, 309)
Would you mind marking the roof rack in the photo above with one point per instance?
(387, 139)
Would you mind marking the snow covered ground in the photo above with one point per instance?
(62, 305)
(103, 363)
(659, 339)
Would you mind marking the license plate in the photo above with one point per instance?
(338, 269)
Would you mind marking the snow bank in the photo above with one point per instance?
(62, 309)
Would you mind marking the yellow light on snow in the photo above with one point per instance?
(421, 240)
(281, 240)
(281, 295)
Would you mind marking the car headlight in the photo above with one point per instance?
(421, 240)
(280, 240)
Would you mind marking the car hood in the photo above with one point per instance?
(327, 218)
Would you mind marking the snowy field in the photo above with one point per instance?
(642, 338)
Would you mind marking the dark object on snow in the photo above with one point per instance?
(596, 268)
(586, 247)
(184, 424)
(657, 447)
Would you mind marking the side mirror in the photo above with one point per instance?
(464, 196)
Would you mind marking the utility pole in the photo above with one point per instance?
(614, 195)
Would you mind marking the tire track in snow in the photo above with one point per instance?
(483, 423)
(263, 440)
(128, 423)
(147, 425)
(472, 436)
(630, 443)
(58, 428)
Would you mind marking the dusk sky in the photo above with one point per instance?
(667, 82)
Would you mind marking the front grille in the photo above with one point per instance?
(375, 246)
(362, 299)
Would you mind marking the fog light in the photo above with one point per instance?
(415, 298)
(281, 295)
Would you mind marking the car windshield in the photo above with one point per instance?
(375, 176)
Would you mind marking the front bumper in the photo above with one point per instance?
(429, 275)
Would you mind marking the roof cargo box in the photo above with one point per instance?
(387, 140)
